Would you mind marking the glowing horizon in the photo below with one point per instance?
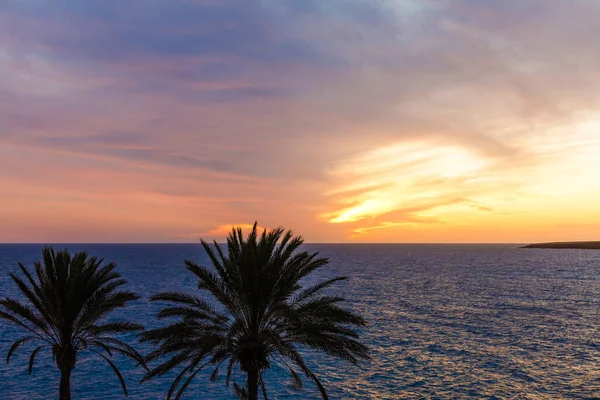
(432, 121)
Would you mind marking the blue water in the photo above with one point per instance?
(445, 322)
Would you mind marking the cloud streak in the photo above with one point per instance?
(391, 120)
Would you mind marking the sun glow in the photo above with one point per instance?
(425, 190)
(383, 180)
(368, 208)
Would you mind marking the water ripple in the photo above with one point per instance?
(445, 322)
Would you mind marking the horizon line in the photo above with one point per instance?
(309, 243)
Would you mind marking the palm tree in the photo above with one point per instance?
(262, 315)
(67, 302)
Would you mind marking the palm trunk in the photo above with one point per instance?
(253, 385)
(65, 385)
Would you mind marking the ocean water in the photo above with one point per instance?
(445, 322)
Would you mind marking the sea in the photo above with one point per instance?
(444, 322)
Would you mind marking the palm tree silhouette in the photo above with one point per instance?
(67, 302)
(261, 315)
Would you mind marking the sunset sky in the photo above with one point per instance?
(345, 120)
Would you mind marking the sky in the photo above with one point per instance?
(344, 120)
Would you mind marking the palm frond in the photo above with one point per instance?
(187, 383)
(16, 345)
(311, 291)
(32, 358)
(114, 327)
(257, 282)
(115, 370)
(26, 313)
(112, 345)
(65, 302)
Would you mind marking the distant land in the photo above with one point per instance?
(565, 245)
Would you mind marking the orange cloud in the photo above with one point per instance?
(479, 128)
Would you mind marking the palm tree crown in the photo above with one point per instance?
(67, 300)
(263, 315)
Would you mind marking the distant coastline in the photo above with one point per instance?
(565, 245)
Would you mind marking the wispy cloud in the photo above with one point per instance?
(381, 116)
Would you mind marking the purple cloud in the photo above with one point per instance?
(285, 91)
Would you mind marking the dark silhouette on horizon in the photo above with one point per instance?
(565, 245)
